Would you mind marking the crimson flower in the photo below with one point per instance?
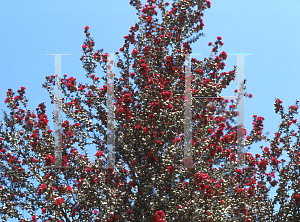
(170, 169)
(49, 160)
(59, 201)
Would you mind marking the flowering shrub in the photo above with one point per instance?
(149, 122)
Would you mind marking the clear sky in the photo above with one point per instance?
(268, 29)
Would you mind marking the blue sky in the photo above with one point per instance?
(268, 29)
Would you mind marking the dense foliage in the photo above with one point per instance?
(149, 126)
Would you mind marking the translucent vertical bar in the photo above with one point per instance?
(57, 112)
(57, 118)
(241, 116)
(241, 110)
(110, 112)
(188, 114)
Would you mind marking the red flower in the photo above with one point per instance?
(160, 213)
(239, 171)
(263, 164)
(7, 100)
(240, 190)
(158, 142)
(219, 38)
(33, 219)
(223, 55)
(166, 94)
(41, 189)
(170, 169)
(99, 153)
(296, 197)
(43, 186)
(138, 126)
(86, 27)
(149, 19)
(49, 160)
(70, 134)
(146, 130)
(274, 161)
(201, 177)
(59, 201)
(154, 134)
(69, 188)
(208, 3)
(294, 107)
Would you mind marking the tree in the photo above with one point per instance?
(149, 139)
